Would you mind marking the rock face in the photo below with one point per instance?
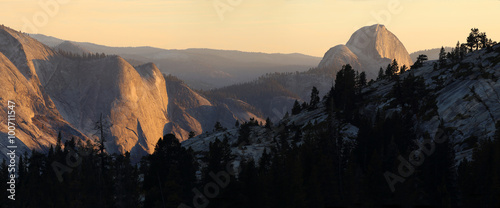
(56, 93)
(38, 121)
(340, 54)
(368, 49)
(190, 111)
(133, 100)
(467, 98)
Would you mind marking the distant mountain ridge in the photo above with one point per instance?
(432, 54)
(70, 47)
(203, 68)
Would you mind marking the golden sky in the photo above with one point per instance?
(274, 26)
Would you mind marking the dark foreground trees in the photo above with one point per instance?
(479, 179)
(324, 170)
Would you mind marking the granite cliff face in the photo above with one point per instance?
(38, 121)
(133, 100)
(56, 93)
(368, 49)
(191, 111)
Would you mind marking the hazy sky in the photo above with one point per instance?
(284, 26)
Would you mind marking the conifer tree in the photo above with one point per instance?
(380, 74)
(314, 98)
(420, 61)
(191, 134)
(442, 58)
(218, 127)
(362, 80)
(403, 69)
(269, 124)
(296, 108)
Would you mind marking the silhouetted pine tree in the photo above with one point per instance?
(380, 74)
(169, 174)
(296, 108)
(313, 104)
(442, 58)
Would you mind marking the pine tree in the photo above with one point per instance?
(22, 166)
(126, 179)
(296, 108)
(388, 70)
(191, 134)
(437, 172)
(313, 104)
(265, 162)
(169, 174)
(330, 102)
(269, 124)
(219, 157)
(442, 58)
(250, 185)
(345, 90)
(305, 105)
(58, 144)
(473, 40)
(362, 80)
(457, 52)
(403, 69)
(380, 74)
(394, 67)
(244, 134)
(420, 61)
(218, 127)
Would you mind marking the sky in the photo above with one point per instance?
(273, 26)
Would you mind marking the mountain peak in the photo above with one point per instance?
(69, 46)
(378, 42)
(368, 49)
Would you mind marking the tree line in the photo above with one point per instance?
(82, 56)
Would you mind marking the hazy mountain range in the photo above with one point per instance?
(199, 68)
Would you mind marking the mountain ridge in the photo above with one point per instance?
(220, 67)
(38, 121)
